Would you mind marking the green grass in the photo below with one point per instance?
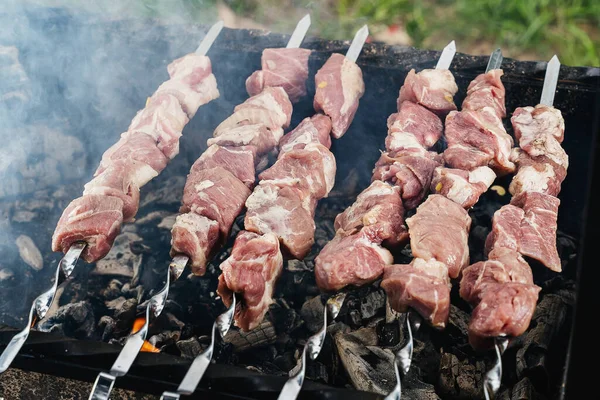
(537, 27)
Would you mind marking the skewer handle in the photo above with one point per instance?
(41, 305)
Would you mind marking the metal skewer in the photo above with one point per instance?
(493, 377)
(223, 322)
(314, 343)
(41, 304)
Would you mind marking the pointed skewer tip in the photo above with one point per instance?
(554, 59)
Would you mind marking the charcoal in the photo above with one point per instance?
(372, 304)
(168, 193)
(5, 274)
(299, 266)
(458, 325)
(125, 313)
(189, 348)
(312, 314)
(77, 320)
(391, 315)
(546, 325)
(524, 390)
(260, 336)
(29, 252)
(113, 290)
(286, 361)
(165, 338)
(120, 261)
(107, 325)
(369, 367)
(461, 379)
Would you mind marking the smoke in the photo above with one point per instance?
(72, 76)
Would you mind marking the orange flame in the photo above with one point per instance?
(147, 346)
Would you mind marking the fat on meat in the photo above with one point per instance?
(251, 270)
(440, 230)
(194, 236)
(339, 87)
(351, 260)
(434, 89)
(94, 219)
(421, 285)
(379, 209)
(281, 67)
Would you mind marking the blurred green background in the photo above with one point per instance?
(525, 29)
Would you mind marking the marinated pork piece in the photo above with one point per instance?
(136, 148)
(339, 87)
(94, 219)
(487, 90)
(192, 82)
(538, 228)
(271, 108)
(285, 68)
(434, 89)
(536, 174)
(121, 180)
(215, 193)
(240, 161)
(311, 170)
(504, 310)
(284, 212)
(350, 260)
(440, 230)
(506, 229)
(532, 122)
(256, 135)
(252, 269)
(528, 225)
(421, 285)
(379, 209)
(411, 170)
(194, 236)
(504, 265)
(412, 126)
(163, 119)
(315, 129)
(478, 138)
(462, 187)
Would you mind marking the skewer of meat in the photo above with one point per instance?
(89, 225)
(439, 230)
(376, 218)
(501, 289)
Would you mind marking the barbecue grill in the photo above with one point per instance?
(136, 55)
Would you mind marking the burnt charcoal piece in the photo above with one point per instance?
(75, 320)
(189, 348)
(312, 314)
(125, 313)
(369, 367)
(372, 304)
(121, 260)
(260, 336)
(107, 326)
(533, 358)
(461, 379)
(524, 390)
(112, 290)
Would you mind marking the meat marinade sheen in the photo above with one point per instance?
(280, 211)
(223, 177)
(151, 141)
(478, 148)
(373, 226)
(501, 288)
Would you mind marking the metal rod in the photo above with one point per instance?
(41, 304)
(312, 348)
(447, 56)
(550, 81)
(209, 38)
(495, 60)
(105, 381)
(493, 377)
(200, 364)
(299, 32)
(360, 37)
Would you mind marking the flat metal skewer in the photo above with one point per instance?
(493, 377)
(224, 321)
(41, 305)
(314, 344)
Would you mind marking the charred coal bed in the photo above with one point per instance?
(102, 302)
